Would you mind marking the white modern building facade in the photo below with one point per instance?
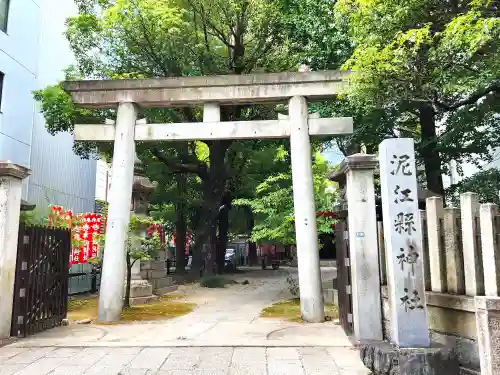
(33, 54)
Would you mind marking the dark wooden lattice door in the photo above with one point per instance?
(344, 276)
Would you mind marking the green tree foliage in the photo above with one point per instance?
(485, 183)
(137, 248)
(273, 204)
(316, 33)
(150, 38)
(433, 68)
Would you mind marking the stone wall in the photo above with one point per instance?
(452, 322)
(461, 257)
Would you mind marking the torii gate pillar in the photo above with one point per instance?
(311, 295)
(120, 196)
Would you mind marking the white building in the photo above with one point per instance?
(33, 54)
(103, 181)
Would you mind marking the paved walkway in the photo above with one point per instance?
(180, 361)
(224, 335)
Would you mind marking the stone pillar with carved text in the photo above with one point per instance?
(410, 350)
(403, 243)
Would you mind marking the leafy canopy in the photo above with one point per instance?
(273, 204)
(420, 55)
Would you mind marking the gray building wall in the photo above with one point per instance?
(33, 54)
(19, 64)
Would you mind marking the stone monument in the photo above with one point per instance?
(410, 351)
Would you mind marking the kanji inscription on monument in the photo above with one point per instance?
(403, 243)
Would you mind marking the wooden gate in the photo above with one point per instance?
(344, 276)
(41, 282)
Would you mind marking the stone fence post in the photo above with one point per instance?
(363, 238)
(488, 334)
(11, 177)
(473, 258)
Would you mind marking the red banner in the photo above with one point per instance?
(85, 233)
(174, 239)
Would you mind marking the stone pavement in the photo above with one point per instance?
(224, 317)
(181, 361)
(224, 335)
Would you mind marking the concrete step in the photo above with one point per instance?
(330, 296)
(166, 290)
(155, 265)
(162, 282)
(465, 371)
(328, 263)
(142, 300)
(153, 274)
(140, 288)
(327, 284)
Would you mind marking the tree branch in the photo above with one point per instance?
(157, 59)
(216, 31)
(473, 98)
(198, 168)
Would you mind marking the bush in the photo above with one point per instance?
(214, 281)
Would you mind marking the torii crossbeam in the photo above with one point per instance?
(211, 92)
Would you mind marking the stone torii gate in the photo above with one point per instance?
(211, 92)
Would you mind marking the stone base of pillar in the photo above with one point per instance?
(155, 273)
(382, 358)
(141, 292)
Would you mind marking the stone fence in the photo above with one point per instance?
(461, 264)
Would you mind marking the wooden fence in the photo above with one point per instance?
(41, 280)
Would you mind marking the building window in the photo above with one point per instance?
(4, 14)
(1, 89)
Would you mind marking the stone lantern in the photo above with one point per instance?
(148, 276)
(141, 291)
(141, 191)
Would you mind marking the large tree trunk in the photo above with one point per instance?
(180, 243)
(126, 303)
(431, 157)
(216, 194)
(223, 232)
(201, 259)
(252, 246)
(213, 191)
(197, 261)
(180, 227)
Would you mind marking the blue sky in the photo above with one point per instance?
(333, 155)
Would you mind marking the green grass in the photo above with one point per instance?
(164, 308)
(290, 310)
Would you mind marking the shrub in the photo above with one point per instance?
(213, 281)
